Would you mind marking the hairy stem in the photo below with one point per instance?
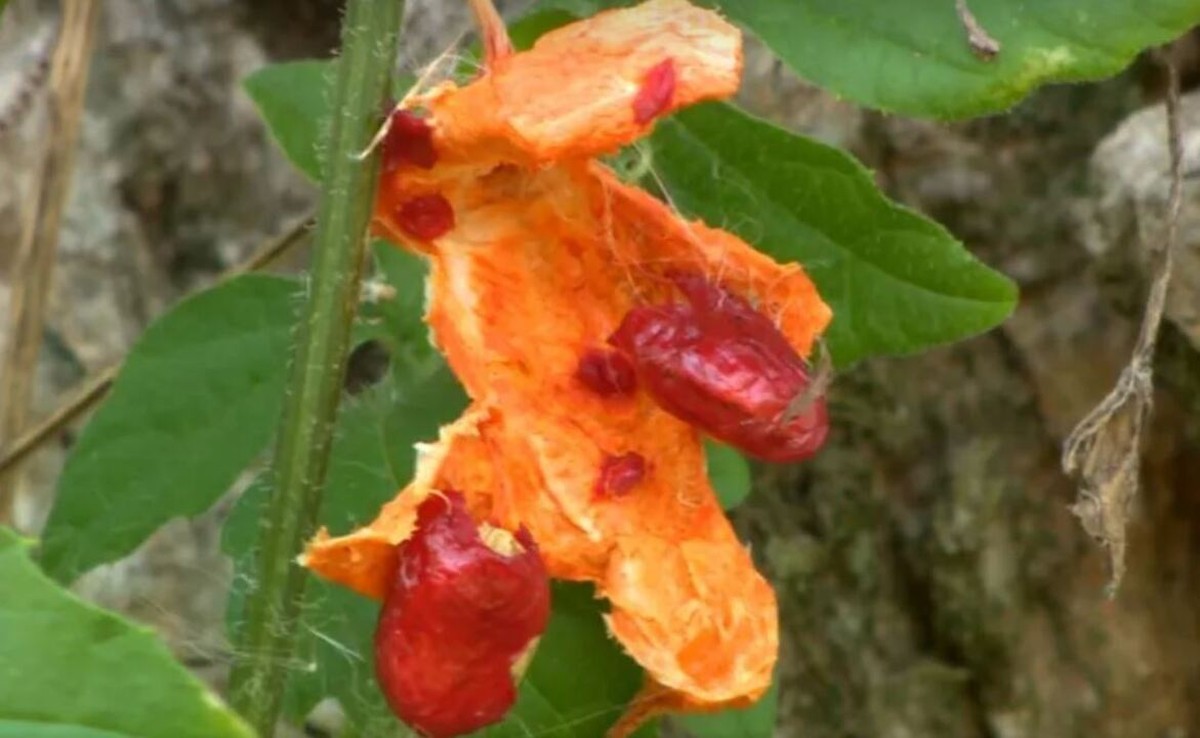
(369, 45)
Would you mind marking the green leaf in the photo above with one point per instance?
(756, 721)
(293, 99)
(395, 318)
(197, 399)
(430, 397)
(530, 27)
(897, 282)
(71, 670)
(579, 682)
(913, 57)
(581, 8)
(728, 472)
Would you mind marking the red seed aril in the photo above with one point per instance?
(620, 474)
(607, 373)
(425, 217)
(466, 606)
(409, 140)
(722, 366)
(656, 91)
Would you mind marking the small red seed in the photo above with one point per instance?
(425, 217)
(607, 373)
(656, 91)
(409, 140)
(620, 474)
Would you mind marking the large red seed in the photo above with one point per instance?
(463, 611)
(722, 366)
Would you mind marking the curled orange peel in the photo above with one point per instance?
(545, 252)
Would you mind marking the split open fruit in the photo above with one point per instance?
(538, 255)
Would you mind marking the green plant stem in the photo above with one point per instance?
(369, 45)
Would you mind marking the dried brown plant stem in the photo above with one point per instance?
(1104, 450)
(40, 227)
(92, 389)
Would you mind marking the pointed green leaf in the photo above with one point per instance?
(293, 99)
(197, 399)
(897, 282)
(71, 670)
(913, 57)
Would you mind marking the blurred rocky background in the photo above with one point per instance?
(933, 580)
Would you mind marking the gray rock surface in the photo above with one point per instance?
(1130, 172)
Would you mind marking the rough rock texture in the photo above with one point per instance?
(174, 182)
(932, 579)
(1124, 224)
